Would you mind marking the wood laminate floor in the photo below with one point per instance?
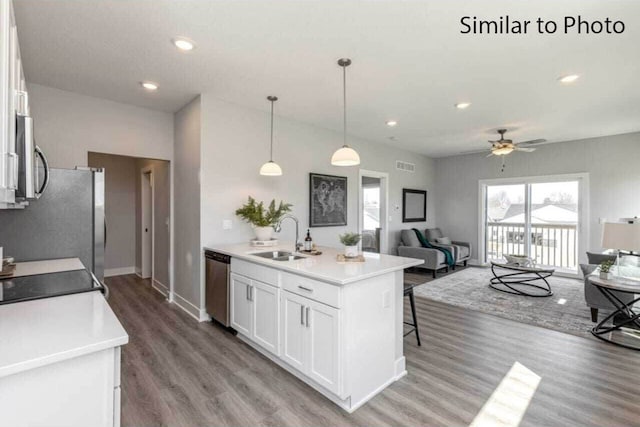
(178, 372)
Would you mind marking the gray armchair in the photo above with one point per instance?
(410, 247)
(461, 251)
(593, 297)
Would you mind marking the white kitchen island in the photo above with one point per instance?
(336, 326)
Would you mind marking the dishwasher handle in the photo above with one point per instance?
(216, 256)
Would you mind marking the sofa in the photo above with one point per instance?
(410, 247)
(461, 250)
(593, 297)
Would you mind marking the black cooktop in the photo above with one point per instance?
(47, 285)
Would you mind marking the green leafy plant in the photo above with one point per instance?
(350, 239)
(256, 214)
(605, 267)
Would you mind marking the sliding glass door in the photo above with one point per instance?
(538, 219)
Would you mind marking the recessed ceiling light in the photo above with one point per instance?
(462, 105)
(391, 123)
(150, 86)
(183, 44)
(569, 79)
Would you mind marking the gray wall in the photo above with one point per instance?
(612, 163)
(69, 125)
(120, 202)
(186, 181)
(235, 143)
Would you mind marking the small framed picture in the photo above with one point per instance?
(414, 205)
(327, 200)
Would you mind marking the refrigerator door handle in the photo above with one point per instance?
(45, 165)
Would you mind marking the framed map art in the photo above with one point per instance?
(327, 200)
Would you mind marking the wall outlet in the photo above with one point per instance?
(227, 224)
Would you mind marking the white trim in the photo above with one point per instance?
(384, 215)
(160, 287)
(147, 170)
(110, 272)
(583, 209)
(191, 309)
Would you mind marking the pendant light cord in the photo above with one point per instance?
(271, 149)
(344, 103)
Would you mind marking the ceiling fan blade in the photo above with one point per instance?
(524, 149)
(533, 142)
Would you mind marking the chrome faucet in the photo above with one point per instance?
(278, 227)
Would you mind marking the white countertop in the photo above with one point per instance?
(322, 267)
(45, 331)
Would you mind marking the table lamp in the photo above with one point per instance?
(622, 237)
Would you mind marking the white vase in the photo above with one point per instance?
(351, 251)
(606, 276)
(263, 233)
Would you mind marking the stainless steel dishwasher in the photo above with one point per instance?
(218, 267)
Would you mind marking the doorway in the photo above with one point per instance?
(373, 211)
(538, 217)
(137, 212)
(147, 229)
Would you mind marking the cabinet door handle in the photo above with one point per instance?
(247, 292)
(250, 293)
(302, 315)
(308, 317)
(305, 289)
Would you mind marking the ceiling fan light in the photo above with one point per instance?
(345, 156)
(271, 168)
(502, 151)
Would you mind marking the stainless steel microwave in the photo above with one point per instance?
(29, 184)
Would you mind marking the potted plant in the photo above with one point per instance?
(350, 242)
(605, 270)
(263, 219)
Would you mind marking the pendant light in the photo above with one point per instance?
(271, 168)
(345, 156)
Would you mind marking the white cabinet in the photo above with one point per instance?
(12, 97)
(254, 311)
(266, 305)
(293, 330)
(241, 304)
(311, 339)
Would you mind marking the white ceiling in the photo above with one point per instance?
(410, 63)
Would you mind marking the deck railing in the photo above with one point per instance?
(553, 245)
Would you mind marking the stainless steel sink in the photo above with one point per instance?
(278, 255)
(272, 254)
(288, 258)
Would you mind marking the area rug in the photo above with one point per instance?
(564, 311)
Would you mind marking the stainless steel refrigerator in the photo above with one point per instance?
(67, 221)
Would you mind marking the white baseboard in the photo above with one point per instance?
(160, 287)
(110, 272)
(476, 263)
(199, 314)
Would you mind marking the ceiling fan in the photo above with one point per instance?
(503, 146)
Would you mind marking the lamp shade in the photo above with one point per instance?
(345, 156)
(621, 236)
(270, 168)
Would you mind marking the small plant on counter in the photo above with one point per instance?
(350, 239)
(261, 217)
(350, 242)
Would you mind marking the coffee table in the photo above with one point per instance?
(624, 311)
(514, 279)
